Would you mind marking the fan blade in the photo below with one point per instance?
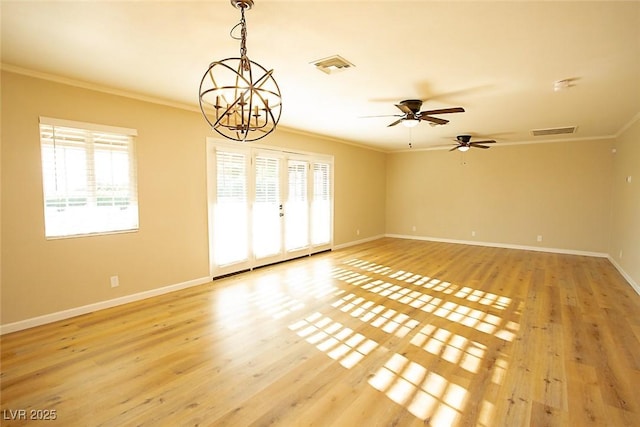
(478, 146)
(455, 148)
(444, 111)
(434, 119)
(395, 123)
(404, 108)
(489, 141)
(386, 115)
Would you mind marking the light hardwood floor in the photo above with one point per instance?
(389, 333)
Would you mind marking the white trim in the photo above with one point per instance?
(87, 126)
(269, 148)
(627, 277)
(73, 312)
(193, 107)
(502, 245)
(334, 139)
(358, 242)
(96, 87)
(77, 311)
(624, 128)
(624, 274)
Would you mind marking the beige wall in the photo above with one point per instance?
(507, 195)
(41, 277)
(625, 235)
(574, 194)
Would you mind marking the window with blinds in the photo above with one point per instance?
(89, 178)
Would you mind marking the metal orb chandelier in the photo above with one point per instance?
(239, 98)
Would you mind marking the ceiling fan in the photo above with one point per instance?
(464, 143)
(412, 115)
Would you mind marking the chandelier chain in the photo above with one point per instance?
(243, 39)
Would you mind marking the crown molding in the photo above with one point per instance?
(95, 87)
(630, 123)
(155, 100)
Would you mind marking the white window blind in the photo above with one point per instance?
(89, 178)
(267, 180)
(231, 227)
(297, 208)
(321, 207)
(266, 207)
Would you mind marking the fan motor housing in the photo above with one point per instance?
(464, 138)
(412, 104)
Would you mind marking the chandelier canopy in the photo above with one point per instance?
(239, 98)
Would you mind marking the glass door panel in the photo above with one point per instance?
(230, 215)
(297, 207)
(267, 208)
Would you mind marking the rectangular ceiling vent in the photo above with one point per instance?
(332, 64)
(554, 131)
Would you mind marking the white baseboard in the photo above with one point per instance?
(502, 245)
(77, 311)
(357, 242)
(73, 312)
(626, 276)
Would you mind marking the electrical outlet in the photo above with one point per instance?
(539, 237)
(413, 228)
(620, 255)
(473, 234)
(115, 281)
(628, 179)
(358, 232)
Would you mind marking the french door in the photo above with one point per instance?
(266, 206)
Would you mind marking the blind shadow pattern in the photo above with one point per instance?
(455, 330)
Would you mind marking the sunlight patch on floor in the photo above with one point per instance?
(425, 394)
(450, 310)
(465, 292)
(377, 315)
(334, 339)
(451, 347)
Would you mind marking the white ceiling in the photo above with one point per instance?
(498, 60)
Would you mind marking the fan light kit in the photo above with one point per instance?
(239, 98)
(410, 123)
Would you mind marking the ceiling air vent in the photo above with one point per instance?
(332, 64)
(553, 131)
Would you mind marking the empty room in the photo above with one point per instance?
(328, 213)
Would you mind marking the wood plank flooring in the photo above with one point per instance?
(389, 333)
